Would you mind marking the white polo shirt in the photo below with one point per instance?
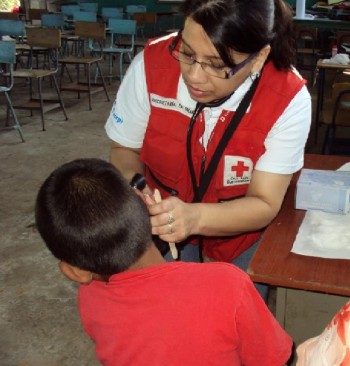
(284, 144)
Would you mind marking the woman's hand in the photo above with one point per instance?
(252, 212)
(172, 219)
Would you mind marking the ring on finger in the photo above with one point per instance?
(171, 230)
(171, 218)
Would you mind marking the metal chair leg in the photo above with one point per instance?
(53, 78)
(16, 126)
(41, 103)
(103, 81)
(89, 85)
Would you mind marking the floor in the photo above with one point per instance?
(39, 320)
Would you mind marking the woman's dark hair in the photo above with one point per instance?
(246, 26)
(91, 218)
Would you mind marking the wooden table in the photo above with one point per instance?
(306, 310)
(322, 68)
(273, 263)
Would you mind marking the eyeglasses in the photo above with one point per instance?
(212, 70)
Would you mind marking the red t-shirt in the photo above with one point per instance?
(179, 314)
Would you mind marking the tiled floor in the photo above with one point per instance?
(38, 316)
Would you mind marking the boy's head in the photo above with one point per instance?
(90, 218)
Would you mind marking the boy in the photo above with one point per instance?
(139, 309)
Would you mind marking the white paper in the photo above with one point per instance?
(339, 58)
(345, 168)
(323, 234)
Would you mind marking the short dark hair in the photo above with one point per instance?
(91, 218)
(246, 26)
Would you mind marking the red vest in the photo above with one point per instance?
(164, 145)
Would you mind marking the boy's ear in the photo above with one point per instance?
(75, 274)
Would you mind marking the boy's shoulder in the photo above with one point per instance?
(214, 266)
(214, 269)
(214, 278)
(213, 274)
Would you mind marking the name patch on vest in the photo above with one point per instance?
(170, 104)
(237, 170)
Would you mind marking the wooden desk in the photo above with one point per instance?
(322, 68)
(302, 313)
(273, 263)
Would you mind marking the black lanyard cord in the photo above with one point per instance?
(200, 189)
(197, 111)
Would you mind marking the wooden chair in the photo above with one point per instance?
(143, 20)
(131, 10)
(51, 40)
(73, 39)
(125, 30)
(335, 115)
(35, 15)
(57, 21)
(306, 40)
(90, 32)
(7, 60)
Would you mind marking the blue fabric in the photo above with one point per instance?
(189, 253)
(243, 261)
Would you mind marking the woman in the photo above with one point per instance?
(175, 104)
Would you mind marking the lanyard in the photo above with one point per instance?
(200, 188)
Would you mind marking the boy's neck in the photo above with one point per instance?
(151, 257)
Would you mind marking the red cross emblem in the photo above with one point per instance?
(240, 168)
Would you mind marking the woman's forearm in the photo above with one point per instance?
(252, 212)
(233, 218)
(126, 160)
